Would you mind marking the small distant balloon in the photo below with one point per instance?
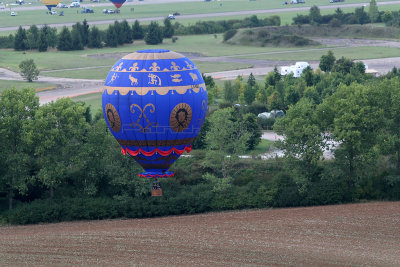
(118, 3)
(50, 3)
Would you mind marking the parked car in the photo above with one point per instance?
(171, 16)
(60, 5)
(335, 1)
(87, 10)
(74, 4)
(108, 11)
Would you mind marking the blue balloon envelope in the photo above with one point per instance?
(154, 103)
(118, 3)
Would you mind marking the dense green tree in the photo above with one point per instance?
(308, 76)
(42, 42)
(29, 70)
(227, 136)
(387, 17)
(76, 38)
(312, 94)
(315, 15)
(254, 21)
(303, 138)
(154, 34)
(32, 37)
(274, 101)
(84, 30)
(273, 78)
(200, 141)
(137, 31)
(338, 14)
(17, 108)
(120, 35)
(249, 93)
(64, 40)
(343, 65)
(327, 61)
(373, 11)
(111, 36)
(168, 30)
(261, 95)
(251, 125)
(388, 98)
(51, 35)
(126, 32)
(94, 40)
(60, 128)
(361, 16)
(352, 117)
(212, 89)
(20, 40)
(251, 80)
(230, 94)
(292, 96)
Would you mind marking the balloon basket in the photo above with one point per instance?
(156, 190)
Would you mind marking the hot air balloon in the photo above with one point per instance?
(118, 3)
(154, 103)
(51, 3)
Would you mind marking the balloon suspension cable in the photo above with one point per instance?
(156, 190)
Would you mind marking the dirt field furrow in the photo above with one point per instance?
(342, 235)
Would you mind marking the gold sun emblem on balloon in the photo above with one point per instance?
(180, 117)
(113, 118)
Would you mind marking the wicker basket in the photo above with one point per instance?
(156, 192)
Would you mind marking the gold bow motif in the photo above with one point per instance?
(143, 114)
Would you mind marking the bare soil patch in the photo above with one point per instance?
(342, 235)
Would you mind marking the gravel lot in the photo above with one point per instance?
(341, 235)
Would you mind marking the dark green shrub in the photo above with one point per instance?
(229, 34)
(287, 193)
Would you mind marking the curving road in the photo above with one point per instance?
(74, 87)
(200, 15)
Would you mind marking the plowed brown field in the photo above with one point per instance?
(343, 235)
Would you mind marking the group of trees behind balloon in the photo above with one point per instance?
(59, 162)
(280, 92)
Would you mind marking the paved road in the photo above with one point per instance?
(75, 87)
(206, 15)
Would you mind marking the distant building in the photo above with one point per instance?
(296, 69)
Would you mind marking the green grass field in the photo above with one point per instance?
(106, 57)
(262, 147)
(4, 84)
(96, 63)
(351, 52)
(92, 100)
(26, 17)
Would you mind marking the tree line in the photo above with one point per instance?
(82, 35)
(59, 162)
(359, 16)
